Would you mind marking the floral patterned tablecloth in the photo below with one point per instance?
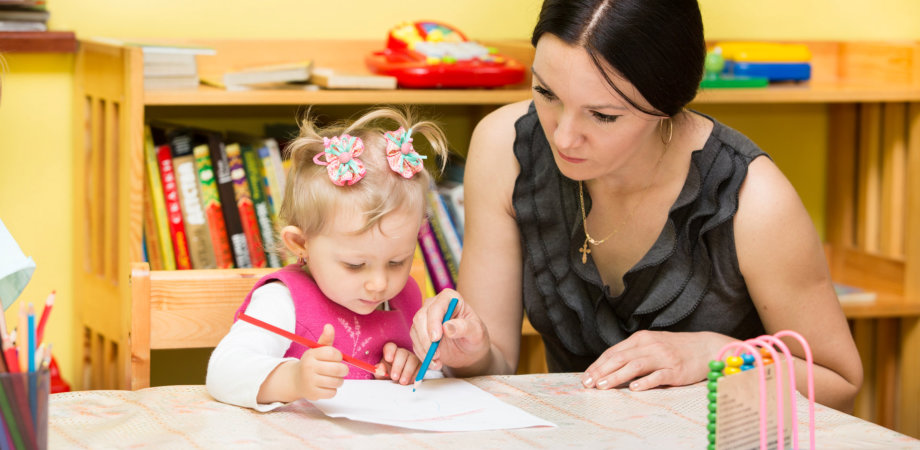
(187, 417)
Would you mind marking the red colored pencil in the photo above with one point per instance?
(46, 311)
(306, 342)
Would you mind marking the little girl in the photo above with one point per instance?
(353, 205)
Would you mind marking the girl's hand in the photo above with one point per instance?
(401, 364)
(649, 359)
(320, 371)
(465, 338)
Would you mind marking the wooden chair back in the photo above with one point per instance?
(181, 309)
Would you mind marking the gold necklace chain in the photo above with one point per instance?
(584, 220)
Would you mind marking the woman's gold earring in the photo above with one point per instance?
(670, 130)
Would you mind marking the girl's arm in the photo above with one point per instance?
(783, 263)
(248, 354)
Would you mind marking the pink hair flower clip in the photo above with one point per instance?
(402, 157)
(342, 161)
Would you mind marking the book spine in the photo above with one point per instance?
(451, 236)
(274, 152)
(225, 190)
(266, 226)
(269, 174)
(151, 240)
(419, 271)
(201, 252)
(173, 209)
(440, 277)
(245, 206)
(210, 200)
(155, 192)
(453, 197)
(441, 232)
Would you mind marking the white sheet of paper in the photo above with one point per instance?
(447, 404)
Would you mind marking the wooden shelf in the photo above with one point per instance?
(38, 42)
(884, 306)
(207, 95)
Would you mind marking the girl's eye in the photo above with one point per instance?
(353, 266)
(545, 93)
(398, 263)
(603, 118)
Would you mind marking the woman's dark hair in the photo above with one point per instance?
(657, 45)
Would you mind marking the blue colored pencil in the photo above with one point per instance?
(33, 395)
(434, 346)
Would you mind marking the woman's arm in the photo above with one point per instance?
(784, 267)
(485, 336)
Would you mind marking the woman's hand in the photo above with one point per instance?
(465, 338)
(401, 364)
(649, 359)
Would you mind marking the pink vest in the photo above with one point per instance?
(361, 336)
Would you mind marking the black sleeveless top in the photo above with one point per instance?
(688, 281)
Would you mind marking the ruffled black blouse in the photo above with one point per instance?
(688, 281)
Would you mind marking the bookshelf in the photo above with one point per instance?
(38, 42)
(871, 92)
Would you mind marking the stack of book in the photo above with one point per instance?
(289, 75)
(167, 66)
(23, 15)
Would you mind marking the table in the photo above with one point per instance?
(187, 417)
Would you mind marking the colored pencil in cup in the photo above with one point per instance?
(46, 311)
(307, 343)
(434, 347)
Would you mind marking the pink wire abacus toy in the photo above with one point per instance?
(729, 430)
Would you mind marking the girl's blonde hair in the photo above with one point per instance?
(311, 198)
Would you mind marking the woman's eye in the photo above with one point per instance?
(604, 118)
(545, 93)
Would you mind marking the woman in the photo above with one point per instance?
(641, 236)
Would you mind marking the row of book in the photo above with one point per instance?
(212, 199)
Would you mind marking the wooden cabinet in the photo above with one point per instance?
(871, 92)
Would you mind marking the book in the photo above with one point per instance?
(210, 201)
(332, 79)
(245, 206)
(273, 73)
(253, 166)
(282, 86)
(444, 232)
(852, 294)
(273, 179)
(419, 271)
(166, 65)
(173, 208)
(201, 250)
(151, 240)
(155, 192)
(437, 269)
(221, 166)
(452, 194)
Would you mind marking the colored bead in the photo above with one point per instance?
(765, 352)
(713, 376)
(711, 447)
(713, 386)
(712, 407)
(712, 438)
(734, 361)
(731, 370)
(767, 361)
(746, 367)
(712, 396)
(747, 358)
(711, 427)
(716, 365)
(712, 417)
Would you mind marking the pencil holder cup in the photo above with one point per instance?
(24, 409)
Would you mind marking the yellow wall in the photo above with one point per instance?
(35, 110)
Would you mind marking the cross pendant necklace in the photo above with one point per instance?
(584, 252)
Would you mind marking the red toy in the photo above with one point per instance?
(429, 54)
